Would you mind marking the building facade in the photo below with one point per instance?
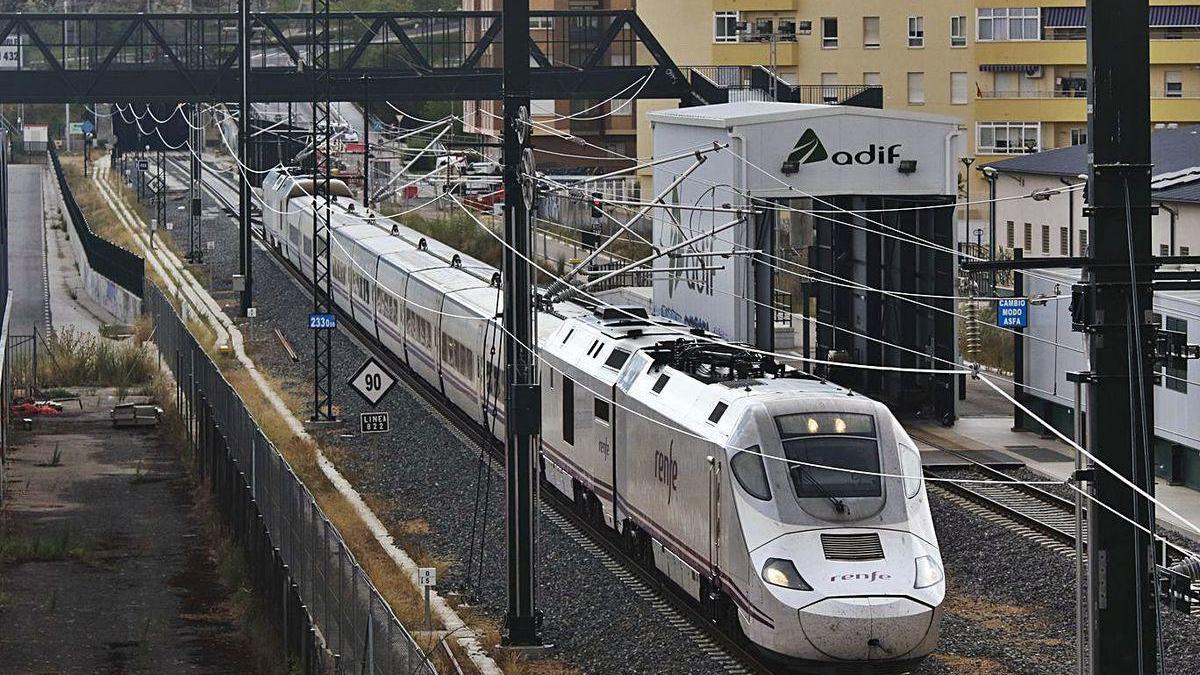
(609, 126)
(1014, 73)
(1054, 224)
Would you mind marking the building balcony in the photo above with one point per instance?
(1039, 52)
(995, 107)
(755, 5)
(1057, 106)
(737, 53)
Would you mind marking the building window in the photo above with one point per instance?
(1083, 250)
(1008, 23)
(958, 88)
(1173, 84)
(1007, 138)
(871, 32)
(958, 31)
(1064, 240)
(1078, 135)
(1012, 234)
(1177, 368)
(872, 80)
(916, 88)
(1185, 250)
(829, 32)
(1028, 236)
(829, 92)
(725, 27)
(1046, 239)
(916, 31)
(1163, 249)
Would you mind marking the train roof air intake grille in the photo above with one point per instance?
(852, 546)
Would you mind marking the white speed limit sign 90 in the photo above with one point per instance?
(372, 382)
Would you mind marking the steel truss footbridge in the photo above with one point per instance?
(69, 58)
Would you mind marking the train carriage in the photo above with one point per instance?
(791, 509)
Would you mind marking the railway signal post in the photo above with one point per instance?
(523, 401)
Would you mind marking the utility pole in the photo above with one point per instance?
(523, 400)
(1120, 338)
(322, 176)
(244, 252)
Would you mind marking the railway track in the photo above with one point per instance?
(678, 609)
(1040, 515)
(1050, 517)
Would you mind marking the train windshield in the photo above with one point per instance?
(830, 449)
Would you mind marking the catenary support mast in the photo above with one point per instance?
(244, 257)
(1120, 408)
(523, 400)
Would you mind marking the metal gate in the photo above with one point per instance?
(23, 365)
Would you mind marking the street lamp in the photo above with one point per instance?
(967, 162)
(991, 175)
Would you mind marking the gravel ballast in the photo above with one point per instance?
(1010, 607)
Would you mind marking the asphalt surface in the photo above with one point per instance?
(27, 250)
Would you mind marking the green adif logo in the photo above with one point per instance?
(808, 149)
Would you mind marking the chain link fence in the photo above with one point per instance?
(334, 619)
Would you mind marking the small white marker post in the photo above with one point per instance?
(251, 315)
(427, 577)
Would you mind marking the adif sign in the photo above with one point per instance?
(777, 151)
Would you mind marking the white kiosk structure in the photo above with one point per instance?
(853, 232)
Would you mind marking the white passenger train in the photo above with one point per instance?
(674, 440)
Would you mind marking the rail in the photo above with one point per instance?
(334, 618)
(1053, 516)
(122, 267)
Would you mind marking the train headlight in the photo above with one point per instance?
(928, 572)
(780, 572)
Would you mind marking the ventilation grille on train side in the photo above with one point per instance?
(852, 546)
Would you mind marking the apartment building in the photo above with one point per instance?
(609, 125)
(1014, 72)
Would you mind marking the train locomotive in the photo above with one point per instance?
(790, 509)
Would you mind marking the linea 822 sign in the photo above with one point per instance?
(1012, 313)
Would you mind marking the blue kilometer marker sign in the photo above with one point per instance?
(1012, 313)
(322, 321)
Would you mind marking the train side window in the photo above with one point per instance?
(602, 411)
(717, 413)
(660, 383)
(751, 473)
(616, 360)
(568, 410)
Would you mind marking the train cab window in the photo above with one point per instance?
(616, 360)
(568, 410)
(751, 473)
(660, 383)
(718, 412)
(602, 410)
(826, 445)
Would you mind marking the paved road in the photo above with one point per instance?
(26, 242)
